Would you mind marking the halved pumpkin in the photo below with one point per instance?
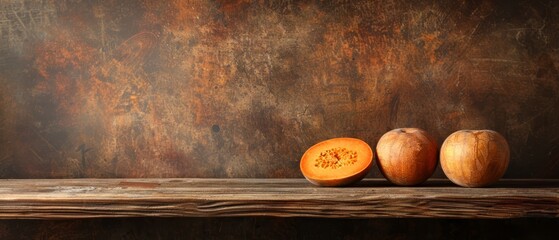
(337, 162)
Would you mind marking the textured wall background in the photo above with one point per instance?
(241, 88)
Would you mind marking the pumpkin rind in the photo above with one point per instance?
(322, 173)
(407, 156)
(474, 158)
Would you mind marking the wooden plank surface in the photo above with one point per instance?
(94, 198)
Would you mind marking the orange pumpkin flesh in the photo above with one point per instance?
(407, 156)
(337, 162)
(474, 158)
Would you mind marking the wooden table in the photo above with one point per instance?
(371, 198)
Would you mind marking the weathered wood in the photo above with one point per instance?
(94, 198)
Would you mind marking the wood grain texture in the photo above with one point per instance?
(94, 198)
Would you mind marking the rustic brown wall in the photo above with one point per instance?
(206, 88)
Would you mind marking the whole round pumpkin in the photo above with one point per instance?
(475, 158)
(407, 156)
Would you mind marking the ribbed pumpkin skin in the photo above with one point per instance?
(407, 156)
(341, 176)
(475, 158)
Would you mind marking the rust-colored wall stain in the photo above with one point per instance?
(206, 88)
